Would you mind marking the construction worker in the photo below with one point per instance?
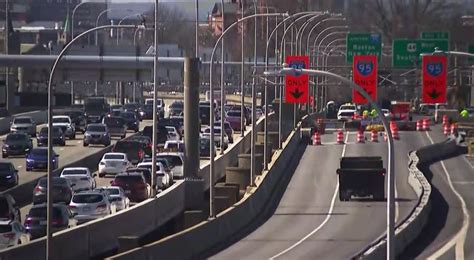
(365, 114)
(464, 113)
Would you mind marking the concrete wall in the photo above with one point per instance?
(99, 236)
(39, 116)
(209, 234)
(411, 227)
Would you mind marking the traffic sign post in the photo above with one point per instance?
(434, 79)
(434, 36)
(406, 52)
(365, 75)
(297, 86)
(363, 44)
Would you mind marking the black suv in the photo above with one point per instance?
(131, 121)
(77, 117)
(16, 144)
(162, 133)
(57, 134)
(8, 175)
(134, 150)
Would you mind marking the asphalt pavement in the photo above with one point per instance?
(311, 223)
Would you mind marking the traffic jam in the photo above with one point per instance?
(122, 177)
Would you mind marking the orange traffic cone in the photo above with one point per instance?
(419, 125)
(360, 137)
(426, 124)
(446, 129)
(317, 138)
(454, 129)
(340, 137)
(374, 136)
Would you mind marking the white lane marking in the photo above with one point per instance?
(20, 166)
(79, 142)
(463, 182)
(460, 238)
(328, 216)
(61, 149)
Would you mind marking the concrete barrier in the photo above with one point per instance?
(198, 239)
(410, 228)
(40, 117)
(101, 236)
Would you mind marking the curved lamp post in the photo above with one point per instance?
(211, 121)
(50, 126)
(391, 154)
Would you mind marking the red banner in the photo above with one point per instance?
(297, 87)
(434, 79)
(364, 68)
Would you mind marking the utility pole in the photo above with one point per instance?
(7, 69)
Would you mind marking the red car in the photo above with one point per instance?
(233, 117)
(134, 184)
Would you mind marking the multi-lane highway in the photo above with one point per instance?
(449, 233)
(311, 223)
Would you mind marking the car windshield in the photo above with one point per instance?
(87, 198)
(40, 212)
(233, 113)
(128, 115)
(43, 182)
(74, 172)
(96, 128)
(56, 131)
(112, 191)
(129, 178)
(172, 145)
(22, 120)
(177, 105)
(130, 106)
(39, 152)
(173, 159)
(16, 137)
(142, 139)
(114, 157)
(5, 166)
(347, 108)
(114, 121)
(170, 129)
(75, 114)
(148, 107)
(60, 120)
(127, 145)
(216, 130)
(5, 228)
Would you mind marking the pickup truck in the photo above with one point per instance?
(362, 177)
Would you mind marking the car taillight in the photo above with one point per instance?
(72, 207)
(101, 206)
(140, 185)
(37, 189)
(382, 172)
(140, 154)
(9, 235)
(28, 222)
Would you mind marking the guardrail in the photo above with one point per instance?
(410, 228)
(99, 237)
(192, 243)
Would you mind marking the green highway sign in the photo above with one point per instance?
(470, 49)
(363, 44)
(406, 52)
(434, 35)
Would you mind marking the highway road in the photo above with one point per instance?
(311, 223)
(450, 231)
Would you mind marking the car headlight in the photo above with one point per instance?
(87, 134)
(29, 160)
(8, 176)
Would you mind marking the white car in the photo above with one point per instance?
(175, 145)
(176, 160)
(90, 205)
(66, 125)
(172, 133)
(81, 177)
(346, 112)
(113, 163)
(163, 179)
(217, 137)
(12, 233)
(117, 197)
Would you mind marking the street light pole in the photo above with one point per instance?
(222, 80)
(155, 96)
(49, 252)
(254, 101)
(243, 123)
(390, 146)
(211, 114)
